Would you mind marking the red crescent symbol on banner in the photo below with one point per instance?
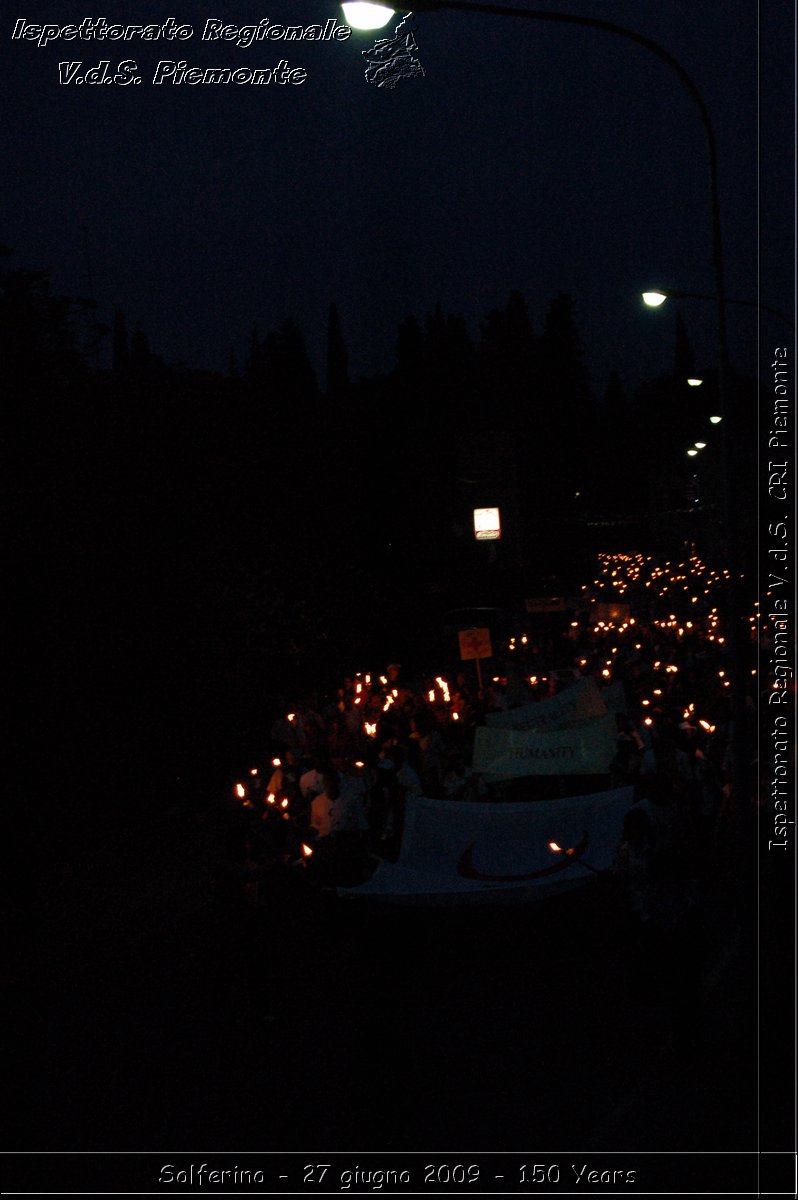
(466, 867)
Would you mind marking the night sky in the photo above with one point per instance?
(532, 156)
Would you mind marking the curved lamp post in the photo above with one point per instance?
(657, 296)
(354, 13)
(377, 15)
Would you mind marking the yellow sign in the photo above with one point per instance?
(475, 643)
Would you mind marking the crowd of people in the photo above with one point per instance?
(344, 765)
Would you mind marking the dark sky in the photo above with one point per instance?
(530, 156)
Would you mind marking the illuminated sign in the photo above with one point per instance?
(487, 525)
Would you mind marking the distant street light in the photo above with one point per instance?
(694, 382)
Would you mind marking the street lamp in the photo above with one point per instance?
(357, 13)
(362, 15)
(655, 297)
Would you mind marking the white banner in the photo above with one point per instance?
(584, 749)
(576, 702)
(453, 851)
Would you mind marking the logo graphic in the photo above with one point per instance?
(468, 870)
(391, 59)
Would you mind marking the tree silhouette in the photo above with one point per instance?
(507, 360)
(281, 362)
(43, 337)
(337, 359)
(120, 349)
